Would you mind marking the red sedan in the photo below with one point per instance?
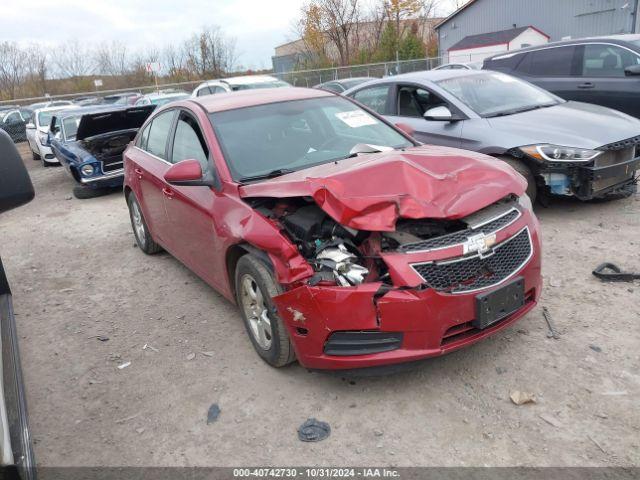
(344, 242)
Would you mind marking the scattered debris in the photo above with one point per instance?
(146, 346)
(595, 442)
(552, 333)
(124, 365)
(103, 338)
(378, 433)
(208, 354)
(520, 398)
(609, 272)
(501, 370)
(602, 415)
(595, 348)
(127, 419)
(313, 430)
(140, 430)
(550, 420)
(554, 282)
(213, 413)
(66, 290)
(191, 356)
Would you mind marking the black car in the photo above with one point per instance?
(16, 451)
(14, 120)
(600, 70)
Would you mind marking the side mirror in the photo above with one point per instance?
(30, 126)
(15, 185)
(441, 114)
(632, 70)
(408, 129)
(188, 173)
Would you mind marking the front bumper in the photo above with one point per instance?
(46, 154)
(429, 322)
(590, 181)
(104, 180)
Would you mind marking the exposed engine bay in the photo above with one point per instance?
(346, 257)
(111, 144)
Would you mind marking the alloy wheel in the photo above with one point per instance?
(256, 311)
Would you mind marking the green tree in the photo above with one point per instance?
(388, 43)
(411, 47)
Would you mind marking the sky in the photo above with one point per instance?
(257, 25)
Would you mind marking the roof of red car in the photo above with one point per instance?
(249, 98)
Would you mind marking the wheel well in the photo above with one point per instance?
(235, 253)
(127, 191)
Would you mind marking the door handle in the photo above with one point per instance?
(586, 85)
(167, 193)
(138, 172)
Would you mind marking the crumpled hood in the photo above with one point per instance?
(371, 192)
(572, 124)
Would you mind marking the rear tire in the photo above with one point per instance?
(140, 229)
(524, 170)
(255, 288)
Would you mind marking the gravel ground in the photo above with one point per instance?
(76, 275)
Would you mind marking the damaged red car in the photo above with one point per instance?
(344, 242)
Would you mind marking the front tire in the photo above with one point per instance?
(35, 156)
(255, 288)
(140, 229)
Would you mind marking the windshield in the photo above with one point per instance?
(251, 86)
(44, 118)
(297, 134)
(70, 126)
(491, 94)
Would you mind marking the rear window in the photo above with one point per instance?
(551, 62)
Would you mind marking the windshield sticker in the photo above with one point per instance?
(356, 118)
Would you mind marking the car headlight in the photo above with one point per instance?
(558, 153)
(525, 202)
(87, 170)
(43, 138)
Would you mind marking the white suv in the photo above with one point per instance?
(233, 84)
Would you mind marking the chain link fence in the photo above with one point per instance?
(310, 78)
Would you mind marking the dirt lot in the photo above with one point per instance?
(76, 275)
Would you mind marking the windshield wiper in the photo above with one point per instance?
(520, 110)
(263, 176)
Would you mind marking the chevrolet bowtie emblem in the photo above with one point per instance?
(480, 243)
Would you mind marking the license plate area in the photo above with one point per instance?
(491, 307)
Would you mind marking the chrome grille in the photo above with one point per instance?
(476, 272)
(457, 238)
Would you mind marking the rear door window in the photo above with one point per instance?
(204, 91)
(601, 60)
(374, 97)
(159, 134)
(552, 62)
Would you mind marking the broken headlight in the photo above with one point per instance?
(525, 202)
(558, 153)
(341, 262)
